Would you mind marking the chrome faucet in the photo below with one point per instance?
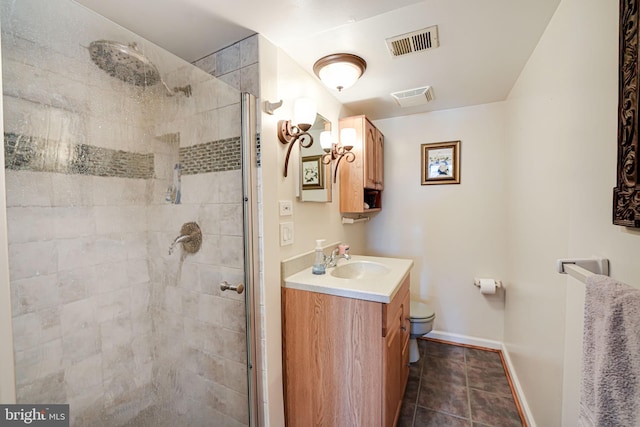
(342, 251)
(190, 237)
(179, 239)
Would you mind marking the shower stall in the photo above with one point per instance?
(115, 152)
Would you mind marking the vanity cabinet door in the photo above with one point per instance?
(393, 383)
(331, 354)
(406, 332)
(396, 355)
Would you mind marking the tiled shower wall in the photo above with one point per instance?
(236, 65)
(104, 318)
(77, 242)
(201, 337)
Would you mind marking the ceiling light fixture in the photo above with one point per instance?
(339, 70)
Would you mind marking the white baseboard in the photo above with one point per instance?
(464, 339)
(516, 385)
(495, 345)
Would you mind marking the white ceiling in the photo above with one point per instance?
(484, 44)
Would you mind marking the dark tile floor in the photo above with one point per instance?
(457, 386)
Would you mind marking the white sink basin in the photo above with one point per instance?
(360, 270)
(363, 277)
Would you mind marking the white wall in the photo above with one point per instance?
(282, 78)
(452, 232)
(562, 157)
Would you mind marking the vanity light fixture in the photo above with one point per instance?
(290, 131)
(339, 70)
(338, 151)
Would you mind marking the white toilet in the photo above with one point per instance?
(421, 316)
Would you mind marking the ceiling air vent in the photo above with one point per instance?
(413, 97)
(413, 42)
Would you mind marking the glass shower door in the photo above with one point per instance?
(114, 156)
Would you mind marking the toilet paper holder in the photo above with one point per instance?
(476, 282)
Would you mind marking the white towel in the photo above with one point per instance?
(610, 388)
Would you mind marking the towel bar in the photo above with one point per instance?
(581, 268)
(346, 220)
(578, 272)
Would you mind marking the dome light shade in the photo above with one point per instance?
(348, 137)
(325, 140)
(304, 112)
(339, 70)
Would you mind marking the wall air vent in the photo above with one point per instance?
(413, 97)
(413, 42)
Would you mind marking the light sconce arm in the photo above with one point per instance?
(289, 133)
(338, 152)
(304, 115)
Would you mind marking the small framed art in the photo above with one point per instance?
(441, 163)
(312, 173)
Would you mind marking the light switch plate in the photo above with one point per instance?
(286, 233)
(286, 207)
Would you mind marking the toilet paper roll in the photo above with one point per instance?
(487, 286)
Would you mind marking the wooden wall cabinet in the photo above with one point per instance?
(363, 180)
(346, 361)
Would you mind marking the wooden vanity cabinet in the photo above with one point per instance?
(363, 180)
(346, 361)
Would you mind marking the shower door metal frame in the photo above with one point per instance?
(7, 380)
(251, 248)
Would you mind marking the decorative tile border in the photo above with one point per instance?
(214, 156)
(24, 152)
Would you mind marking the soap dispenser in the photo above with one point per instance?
(318, 263)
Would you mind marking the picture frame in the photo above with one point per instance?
(626, 193)
(312, 173)
(440, 163)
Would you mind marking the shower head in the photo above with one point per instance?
(125, 62)
(130, 65)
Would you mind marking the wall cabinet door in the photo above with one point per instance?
(362, 181)
(374, 155)
(369, 150)
(379, 161)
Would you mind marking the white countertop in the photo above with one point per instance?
(378, 287)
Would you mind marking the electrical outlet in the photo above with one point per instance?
(286, 207)
(286, 233)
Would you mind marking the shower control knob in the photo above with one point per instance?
(224, 286)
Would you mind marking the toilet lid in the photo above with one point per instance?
(420, 310)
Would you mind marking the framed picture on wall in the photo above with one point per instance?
(440, 163)
(312, 173)
(626, 193)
